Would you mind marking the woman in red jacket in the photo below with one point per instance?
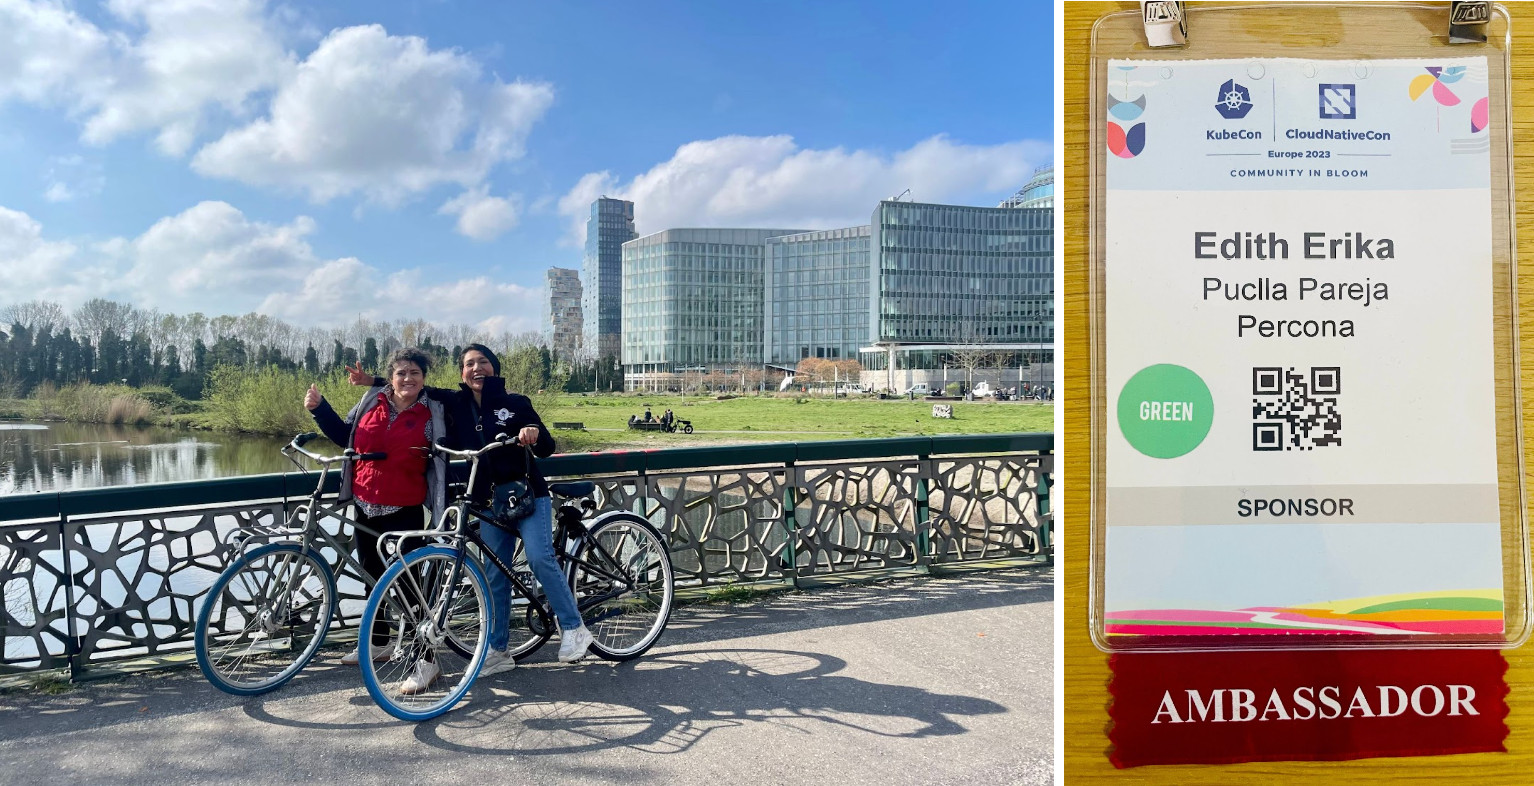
(391, 493)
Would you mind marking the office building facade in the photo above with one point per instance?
(610, 225)
(693, 300)
(562, 324)
(816, 289)
(950, 285)
(1039, 192)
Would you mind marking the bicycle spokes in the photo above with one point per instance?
(623, 587)
(427, 631)
(264, 620)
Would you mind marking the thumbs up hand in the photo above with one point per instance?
(312, 398)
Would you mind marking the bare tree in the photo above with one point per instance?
(970, 354)
(98, 315)
(36, 315)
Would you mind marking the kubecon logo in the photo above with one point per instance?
(1234, 101)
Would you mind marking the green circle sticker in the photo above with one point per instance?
(1165, 411)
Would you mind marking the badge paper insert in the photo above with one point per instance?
(1298, 366)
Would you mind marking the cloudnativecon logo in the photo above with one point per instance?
(1339, 102)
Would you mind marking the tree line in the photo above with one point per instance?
(106, 342)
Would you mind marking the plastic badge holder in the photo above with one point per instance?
(1224, 547)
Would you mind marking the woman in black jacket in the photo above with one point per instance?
(478, 411)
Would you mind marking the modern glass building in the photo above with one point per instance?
(562, 324)
(950, 281)
(692, 299)
(816, 296)
(610, 226)
(1039, 192)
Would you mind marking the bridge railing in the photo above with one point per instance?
(95, 577)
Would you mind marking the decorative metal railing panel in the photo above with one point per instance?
(85, 584)
(34, 622)
(857, 517)
(724, 526)
(985, 509)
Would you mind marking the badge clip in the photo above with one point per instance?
(1467, 21)
(1165, 24)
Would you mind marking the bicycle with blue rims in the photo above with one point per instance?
(267, 613)
(435, 601)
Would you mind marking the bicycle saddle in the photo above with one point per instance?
(574, 489)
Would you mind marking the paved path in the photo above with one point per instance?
(917, 681)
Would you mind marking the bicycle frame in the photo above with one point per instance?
(241, 539)
(467, 518)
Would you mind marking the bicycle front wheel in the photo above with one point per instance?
(623, 586)
(429, 608)
(264, 618)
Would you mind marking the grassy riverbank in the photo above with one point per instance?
(269, 403)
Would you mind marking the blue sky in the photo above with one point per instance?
(431, 159)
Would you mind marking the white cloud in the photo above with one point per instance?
(481, 216)
(342, 290)
(51, 55)
(194, 54)
(772, 182)
(31, 267)
(213, 251)
(214, 259)
(72, 177)
(382, 116)
(191, 56)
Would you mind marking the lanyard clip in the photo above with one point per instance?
(1468, 20)
(1165, 24)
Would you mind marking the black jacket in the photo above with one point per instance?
(471, 426)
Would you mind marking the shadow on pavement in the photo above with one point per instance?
(667, 703)
(664, 701)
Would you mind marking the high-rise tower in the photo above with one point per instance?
(562, 322)
(610, 226)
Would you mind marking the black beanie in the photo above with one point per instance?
(495, 362)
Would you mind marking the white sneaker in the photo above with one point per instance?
(573, 644)
(425, 674)
(497, 661)
(380, 654)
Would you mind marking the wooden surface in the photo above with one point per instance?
(1085, 669)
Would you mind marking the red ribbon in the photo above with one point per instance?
(1215, 708)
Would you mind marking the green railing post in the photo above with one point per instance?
(72, 648)
(790, 558)
(923, 521)
(642, 497)
(1046, 546)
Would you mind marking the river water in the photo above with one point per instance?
(38, 456)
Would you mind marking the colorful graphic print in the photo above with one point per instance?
(1465, 612)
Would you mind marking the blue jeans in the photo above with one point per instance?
(537, 533)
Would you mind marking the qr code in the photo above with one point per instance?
(1295, 411)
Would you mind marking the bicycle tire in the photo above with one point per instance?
(626, 615)
(408, 596)
(239, 644)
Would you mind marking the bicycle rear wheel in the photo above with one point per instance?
(263, 619)
(623, 586)
(425, 673)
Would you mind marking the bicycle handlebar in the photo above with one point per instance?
(499, 440)
(298, 442)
